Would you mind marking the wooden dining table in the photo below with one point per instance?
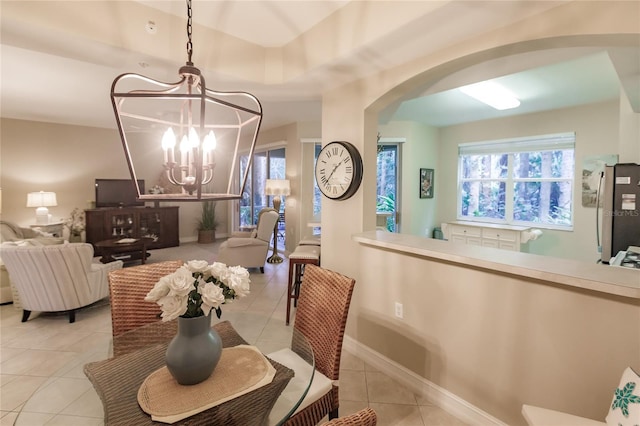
(140, 352)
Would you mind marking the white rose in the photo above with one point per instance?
(159, 290)
(212, 297)
(197, 265)
(172, 307)
(239, 280)
(180, 282)
(219, 271)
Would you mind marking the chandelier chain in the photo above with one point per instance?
(189, 30)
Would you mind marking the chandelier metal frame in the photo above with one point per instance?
(198, 116)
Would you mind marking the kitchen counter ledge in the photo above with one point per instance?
(597, 277)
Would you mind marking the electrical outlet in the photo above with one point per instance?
(399, 310)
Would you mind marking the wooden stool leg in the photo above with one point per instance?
(292, 265)
(298, 280)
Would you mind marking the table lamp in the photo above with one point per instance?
(276, 187)
(42, 200)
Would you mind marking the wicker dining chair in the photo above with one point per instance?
(128, 287)
(321, 317)
(365, 417)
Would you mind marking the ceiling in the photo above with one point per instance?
(59, 58)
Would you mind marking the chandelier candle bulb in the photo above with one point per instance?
(168, 144)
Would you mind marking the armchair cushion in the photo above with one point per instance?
(250, 251)
(243, 234)
(244, 242)
(9, 231)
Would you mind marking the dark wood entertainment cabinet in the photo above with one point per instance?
(159, 223)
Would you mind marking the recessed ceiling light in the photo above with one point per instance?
(492, 94)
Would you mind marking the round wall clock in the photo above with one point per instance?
(339, 170)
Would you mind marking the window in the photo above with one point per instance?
(387, 186)
(525, 181)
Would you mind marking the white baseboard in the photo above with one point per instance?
(437, 395)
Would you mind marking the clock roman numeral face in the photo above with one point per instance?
(335, 172)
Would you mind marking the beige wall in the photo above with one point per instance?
(493, 340)
(66, 160)
(478, 334)
(420, 150)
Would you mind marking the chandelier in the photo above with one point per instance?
(182, 128)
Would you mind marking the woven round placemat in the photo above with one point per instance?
(240, 370)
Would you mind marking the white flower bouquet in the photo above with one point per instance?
(197, 287)
(76, 222)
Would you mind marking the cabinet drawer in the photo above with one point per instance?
(499, 234)
(468, 231)
(474, 241)
(458, 239)
(508, 245)
(490, 243)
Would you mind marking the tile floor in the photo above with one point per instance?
(42, 383)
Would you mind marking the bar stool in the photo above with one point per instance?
(310, 241)
(301, 256)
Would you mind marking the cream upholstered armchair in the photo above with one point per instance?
(11, 232)
(56, 278)
(249, 249)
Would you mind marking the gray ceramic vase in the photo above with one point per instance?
(194, 352)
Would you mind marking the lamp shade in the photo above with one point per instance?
(277, 187)
(41, 199)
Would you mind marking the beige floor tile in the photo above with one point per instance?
(63, 340)
(17, 392)
(383, 389)
(436, 416)
(35, 362)
(86, 405)
(8, 418)
(7, 378)
(57, 395)
(90, 342)
(351, 362)
(8, 353)
(64, 420)
(397, 414)
(353, 386)
(33, 419)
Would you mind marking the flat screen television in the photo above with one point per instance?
(117, 193)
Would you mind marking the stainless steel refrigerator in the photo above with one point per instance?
(621, 209)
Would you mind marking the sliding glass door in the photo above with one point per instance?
(266, 165)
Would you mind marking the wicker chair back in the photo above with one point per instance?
(321, 317)
(128, 288)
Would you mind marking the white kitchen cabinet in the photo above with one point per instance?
(505, 237)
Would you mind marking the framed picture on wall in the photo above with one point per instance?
(426, 183)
